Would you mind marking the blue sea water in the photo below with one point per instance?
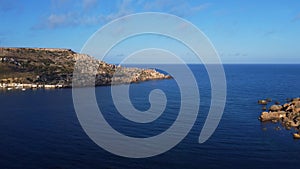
(40, 129)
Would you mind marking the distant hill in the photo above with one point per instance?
(56, 66)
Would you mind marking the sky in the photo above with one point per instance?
(242, 31)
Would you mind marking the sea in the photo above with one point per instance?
(39, 129)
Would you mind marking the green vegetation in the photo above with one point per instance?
(56, 66)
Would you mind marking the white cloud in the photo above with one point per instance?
(200, 7)
(179, 7)
(59, 3)
(54, 20)
(87, 15)
(122, 9)
(88, 4)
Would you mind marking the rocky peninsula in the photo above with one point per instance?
(53, 68)
(288, 114)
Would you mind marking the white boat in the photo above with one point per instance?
(23, 89)
(9, 88)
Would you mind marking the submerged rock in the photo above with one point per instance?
(268, 99)
(262, 102)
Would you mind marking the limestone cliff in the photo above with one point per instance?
(56, 66)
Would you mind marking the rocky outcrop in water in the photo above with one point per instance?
(287, 114)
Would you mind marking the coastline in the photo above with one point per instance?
(49, 68)
(26, 86)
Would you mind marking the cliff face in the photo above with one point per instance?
(56, 66)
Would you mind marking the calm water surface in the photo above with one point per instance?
(39, 129)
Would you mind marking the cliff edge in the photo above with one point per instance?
(50, 66)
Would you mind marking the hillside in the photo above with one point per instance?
(56, 66)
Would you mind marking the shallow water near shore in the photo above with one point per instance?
(40, 129)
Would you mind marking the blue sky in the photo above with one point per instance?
(242, 31)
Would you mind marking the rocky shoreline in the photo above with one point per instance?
(53, 68)
(287, 114)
